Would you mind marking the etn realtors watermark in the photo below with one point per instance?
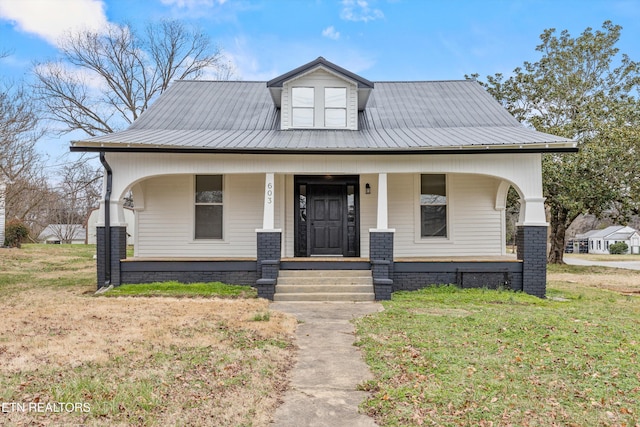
(45, 407)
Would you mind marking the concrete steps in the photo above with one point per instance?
(324, 285)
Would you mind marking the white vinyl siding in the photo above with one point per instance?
(475, 226)
(166, 225)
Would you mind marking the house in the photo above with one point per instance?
(92, 221)
(320, 168)
(598, 241)
(63, 233)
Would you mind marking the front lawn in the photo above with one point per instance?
(133, 361)
(447, 356)
(175, 289)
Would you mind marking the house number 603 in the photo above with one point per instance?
(269, 193)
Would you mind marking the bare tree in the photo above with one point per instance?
(104, 81)
(76, 195)
(21, 166)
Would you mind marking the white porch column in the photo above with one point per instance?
(532, 212)
(382, 222)
(268, 218)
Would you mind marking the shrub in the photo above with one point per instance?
(15, 232)
(618, 248)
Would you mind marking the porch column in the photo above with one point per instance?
(269, 244)
(382, 222)
(268, 217)
(381, 245)
(531, 241)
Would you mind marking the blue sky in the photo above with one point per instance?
(381, 40)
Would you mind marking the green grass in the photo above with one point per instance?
(176, 289)
(448, 356)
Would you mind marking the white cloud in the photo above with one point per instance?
(331, 33)
(359, 10)
(51, 19)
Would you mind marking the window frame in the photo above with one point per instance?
(312, 108)
(196, 203)
(332, 108)
(418, 211)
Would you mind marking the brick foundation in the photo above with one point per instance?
(532, 250)
(118, 252)
(381, 257)
(268, 263)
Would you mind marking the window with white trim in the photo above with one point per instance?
(302, 107)
(335, 107)
(433, 205)
(208, 211)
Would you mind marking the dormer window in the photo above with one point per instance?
(319, 95)
(335, 107)
(302, 106)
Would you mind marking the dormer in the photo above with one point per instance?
(320, 95)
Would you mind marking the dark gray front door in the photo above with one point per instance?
(326, 219)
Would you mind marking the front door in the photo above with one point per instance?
(327, 216)
(327, 219)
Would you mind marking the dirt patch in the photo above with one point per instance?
(61, 328)
(619, 280)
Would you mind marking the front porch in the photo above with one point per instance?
(407, 273)
(432, 224)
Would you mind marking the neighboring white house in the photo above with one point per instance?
(598, 241)
(93, 218)
(320, 168)
(63, 233)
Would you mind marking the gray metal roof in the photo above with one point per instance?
(400, 116)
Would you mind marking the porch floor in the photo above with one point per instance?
(504, 258)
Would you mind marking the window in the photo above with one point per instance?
(335, 107)
(433, 206)
(208, 207)
(302, 102)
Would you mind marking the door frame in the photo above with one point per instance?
(301, 239)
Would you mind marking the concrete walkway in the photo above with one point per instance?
(329, 367)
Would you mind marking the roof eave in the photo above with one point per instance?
(121, 148)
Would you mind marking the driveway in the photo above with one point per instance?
(629, 265)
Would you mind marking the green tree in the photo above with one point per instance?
(581, 88)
